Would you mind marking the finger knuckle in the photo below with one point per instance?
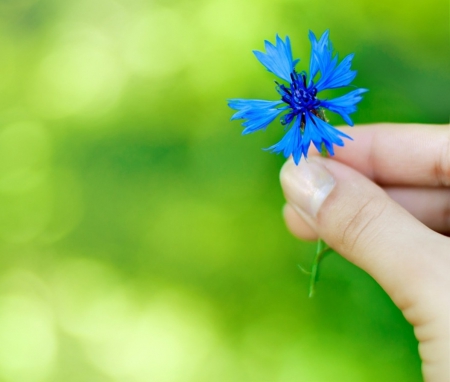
(446, 215)
(442, 165)
(362, 226)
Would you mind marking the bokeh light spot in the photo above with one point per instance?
(27, 339)
(81, 76)
(24, 191)
(24, 156)
(158, 43)
(66, 205)
(167, 341)
(80, 284)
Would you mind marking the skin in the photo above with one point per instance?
(389, 214)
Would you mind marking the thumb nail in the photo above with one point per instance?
(307, 185)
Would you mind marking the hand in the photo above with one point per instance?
(383, 202)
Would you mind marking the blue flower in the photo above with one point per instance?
(299, 108)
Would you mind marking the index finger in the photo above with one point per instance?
(399, 154)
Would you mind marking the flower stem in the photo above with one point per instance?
(322, 248)
(323, 151)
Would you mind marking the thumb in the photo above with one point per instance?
(357, 218)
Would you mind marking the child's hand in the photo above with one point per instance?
(383, 202)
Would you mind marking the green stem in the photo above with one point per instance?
(322, 249)
(323, 151)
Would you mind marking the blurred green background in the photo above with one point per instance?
(141, 236)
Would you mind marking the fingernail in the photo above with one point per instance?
(307, 185)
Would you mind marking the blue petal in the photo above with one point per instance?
(297, 142)
(291, 143)
(344, 105)
(321, 50)
(322, 132)
(278, 58)
(336, 77)
(258, 113)
(332, 75)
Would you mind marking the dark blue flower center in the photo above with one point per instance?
(300, 98)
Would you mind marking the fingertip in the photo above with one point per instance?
(356, 218)
(297, 225)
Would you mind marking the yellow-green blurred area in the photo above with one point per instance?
(141, 237)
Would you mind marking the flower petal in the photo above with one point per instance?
(258, 113)
(332, 75)
(336, 77)
(320, 52)
(322, 132)
(297, 142)
(344, 105)
(278, 58)
(290, 144)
